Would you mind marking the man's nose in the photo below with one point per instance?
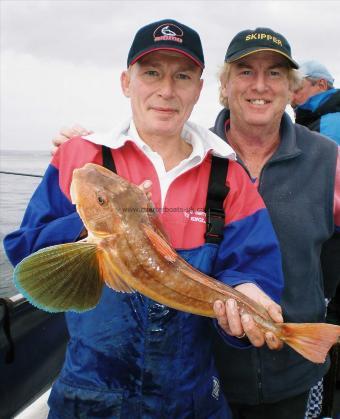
(260, 83)
(166, 88)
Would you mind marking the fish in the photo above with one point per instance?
(127, 249)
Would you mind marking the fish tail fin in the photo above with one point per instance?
(311, 340)
(64, 277)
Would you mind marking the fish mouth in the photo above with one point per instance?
(73, 192)
(74, 189)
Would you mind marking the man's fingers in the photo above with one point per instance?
(74, 131)
(146, 187)
(81, 130)
(230, 320)
(59, 139)
(272, 341)
(275, 312)
(234, 319)
(67, 133)
(54, 150)
(221, 316)
(254, 334)
(253, 292)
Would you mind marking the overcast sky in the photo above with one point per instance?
(61, 60)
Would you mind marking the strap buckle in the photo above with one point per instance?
(215, 225)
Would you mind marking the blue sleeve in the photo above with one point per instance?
(50, 218)
(249, 252)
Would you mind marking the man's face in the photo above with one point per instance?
(163, 88)
(307, 89)
(258, 90)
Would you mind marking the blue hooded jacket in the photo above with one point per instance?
(131, 357)
(321, 113)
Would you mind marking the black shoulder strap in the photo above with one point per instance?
(217, 192)
(108, 161)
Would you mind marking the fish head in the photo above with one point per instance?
(101, 198)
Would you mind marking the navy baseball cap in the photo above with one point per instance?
(168, 35)
(260, 39)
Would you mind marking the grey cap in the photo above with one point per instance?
(315, 70)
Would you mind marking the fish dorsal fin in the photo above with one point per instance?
(65, 277)
(162, 247)
(155, 221)
(112, 272)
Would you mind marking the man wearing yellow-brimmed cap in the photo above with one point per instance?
(298, 175)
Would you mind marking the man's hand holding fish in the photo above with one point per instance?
(243, 325)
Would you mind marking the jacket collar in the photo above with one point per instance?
(202, 139)
(288, 147)
(316, 101)
(318, 105)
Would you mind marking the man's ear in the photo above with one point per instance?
(322, 84)
(224, 90)
(125, 82)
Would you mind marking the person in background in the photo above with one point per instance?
(131, 357)
(316, 102)
(297, 172)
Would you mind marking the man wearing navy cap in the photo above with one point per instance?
(297, 172)
(131, 357)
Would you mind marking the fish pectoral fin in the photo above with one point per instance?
(64, 277)
(162, 247)
(112, 272)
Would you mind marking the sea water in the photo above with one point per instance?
(15, 193)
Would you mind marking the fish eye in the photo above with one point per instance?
(101, 200)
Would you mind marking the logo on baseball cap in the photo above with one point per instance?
(260, 39)
(167, 35)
